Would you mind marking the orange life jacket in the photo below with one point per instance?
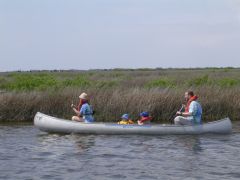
(193, 98)
(144, 119)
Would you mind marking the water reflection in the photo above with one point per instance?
(83, 143)
(192, 143)
(73, 142)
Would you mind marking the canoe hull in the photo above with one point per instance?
(55, 125)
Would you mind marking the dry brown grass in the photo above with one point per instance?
(110, 103)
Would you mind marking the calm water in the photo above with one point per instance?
(27, 153)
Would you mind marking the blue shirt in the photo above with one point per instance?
(196, 110)
(87, 113)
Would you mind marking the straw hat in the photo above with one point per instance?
(83, 96)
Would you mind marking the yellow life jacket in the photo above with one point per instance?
(126, 122)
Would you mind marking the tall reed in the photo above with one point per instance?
(109, 104)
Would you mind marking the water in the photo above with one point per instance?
(27, 153)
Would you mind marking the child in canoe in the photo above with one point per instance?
(145, 118)
(125, 120)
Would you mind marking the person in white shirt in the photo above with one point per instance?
(192, 113)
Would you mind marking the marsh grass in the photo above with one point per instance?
(120, 91)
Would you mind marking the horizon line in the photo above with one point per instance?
(122, 69)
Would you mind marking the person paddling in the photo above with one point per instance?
(192, 113)
(84, 111)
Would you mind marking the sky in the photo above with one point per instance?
(103, 34)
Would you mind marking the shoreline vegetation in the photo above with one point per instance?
(118, 91)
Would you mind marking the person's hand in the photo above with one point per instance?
(140, 123)
(73, 106)
(178, 113)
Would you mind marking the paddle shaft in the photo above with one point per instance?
(172, 118)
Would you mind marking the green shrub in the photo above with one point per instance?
(79, 81)
(27, 82)
(160, 83)
(227, 82)
(106, 84)
(199, 81)
(2, 80)
(227, 69)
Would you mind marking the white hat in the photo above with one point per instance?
(83, 96)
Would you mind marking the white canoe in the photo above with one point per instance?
(55, 125)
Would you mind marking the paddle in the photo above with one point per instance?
(72, 105)
(173, 116)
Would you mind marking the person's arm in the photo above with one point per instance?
(75, 110)
(185, 114)
(181, 111)
(130, 121)
(192, 110)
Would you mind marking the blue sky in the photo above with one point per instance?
(90, 34)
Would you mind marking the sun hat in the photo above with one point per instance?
(83, 96)
(125, 116)
(144, 114)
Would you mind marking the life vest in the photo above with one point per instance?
(126, 122)
(193, 98)
(145, 119)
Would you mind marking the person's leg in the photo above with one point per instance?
(76, 118)
(177, 120)
(185, 121)
(180, 120)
